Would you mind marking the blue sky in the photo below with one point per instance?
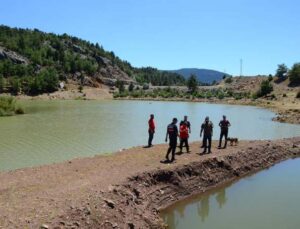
(172, 34)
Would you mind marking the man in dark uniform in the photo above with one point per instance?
(224, 124)
(207, 128)
(172, 132)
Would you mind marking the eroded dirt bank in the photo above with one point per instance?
(127, 189)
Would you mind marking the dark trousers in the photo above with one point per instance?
(186, 144)
(172, 148)
(224, 133)
(207, 139)
(151, 135)
(203, 142)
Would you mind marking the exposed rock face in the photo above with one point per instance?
(108, 73)
(13, 56)
(102, 60)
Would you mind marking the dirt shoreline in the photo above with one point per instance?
(126, 189)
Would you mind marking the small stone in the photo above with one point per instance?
(110, 203)
(131, 225)
(44, 226)
(77, 224)
(88, 211)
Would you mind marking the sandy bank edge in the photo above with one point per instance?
(136, 202)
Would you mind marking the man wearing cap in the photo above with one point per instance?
(224, 125)
(172, 132)
(207, 128)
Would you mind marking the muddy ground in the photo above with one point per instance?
(126, 189)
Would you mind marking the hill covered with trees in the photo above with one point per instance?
(204, 76)
(34, 62)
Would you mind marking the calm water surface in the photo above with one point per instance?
(267, 200)
(54, 131)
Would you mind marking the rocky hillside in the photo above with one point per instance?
(34, 62)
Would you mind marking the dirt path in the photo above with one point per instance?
(67, 194)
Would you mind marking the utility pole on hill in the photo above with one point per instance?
(241, 67)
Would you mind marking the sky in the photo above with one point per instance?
(173, 34)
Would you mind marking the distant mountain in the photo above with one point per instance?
(203, 75)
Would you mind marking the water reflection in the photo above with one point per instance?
(221, 197)
(202, 204)
(267, 200)
(203, 208)
(172, 220)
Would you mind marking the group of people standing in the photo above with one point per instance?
(183, 133)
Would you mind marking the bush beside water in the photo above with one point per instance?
(9, 107)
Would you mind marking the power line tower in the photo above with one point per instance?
(241, 67)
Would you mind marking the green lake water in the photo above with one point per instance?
(54, 131)
(267, 200)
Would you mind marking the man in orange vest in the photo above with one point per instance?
(184, 136)
(151, 130)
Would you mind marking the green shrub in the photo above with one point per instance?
(80, 88)
(15, 85)
(120, 85)
(228, 80)
(284, 95)
(270, 78)
(192, 83)
(298, 95)
(265, 88)
(294, 74)
(116, 95)
(254, 96)
(8, 106)
(130, 87)
(2, 84)
(281, 72)
(238, 96)
(200, 95)
(221, 96)
(19, 110)
(145, 86)
(208, 94)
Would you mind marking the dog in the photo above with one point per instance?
(233, 140)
